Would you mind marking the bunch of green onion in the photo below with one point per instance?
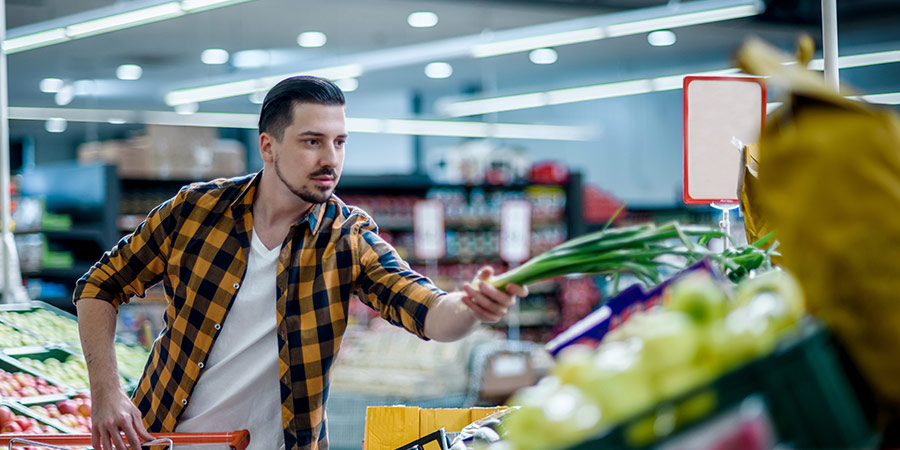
(641, 250)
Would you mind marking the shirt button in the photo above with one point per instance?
(184, 401)
(217, 326)
(200, 364)
(236, 285)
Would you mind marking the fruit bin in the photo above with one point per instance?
(807, 391)
(235, 440)
(12, 366)
(71, 414)
(18, 411)
(64, 328)
(69, 369)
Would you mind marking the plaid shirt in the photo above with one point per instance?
(196, 244)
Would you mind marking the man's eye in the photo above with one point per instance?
(341, 143)
(312, 141)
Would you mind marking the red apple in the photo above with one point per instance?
(6, 414)
(10, 427)
(67, 407)
(23, 422)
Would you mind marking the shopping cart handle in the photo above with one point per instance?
(236, 440)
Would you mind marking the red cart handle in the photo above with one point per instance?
(236, 440)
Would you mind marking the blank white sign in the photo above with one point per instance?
(718, 110)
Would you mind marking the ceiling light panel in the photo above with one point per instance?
(438, 70)
(51, 85)
(422, 19)
(214, 56)
(354, 124)
(312, 39)
(543, 56)
(661, 38)
(35, 40)
(125, 20)
(129, 72)
(192, 6)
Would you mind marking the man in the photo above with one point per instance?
(279, 256)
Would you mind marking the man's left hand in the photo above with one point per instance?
(488, 303)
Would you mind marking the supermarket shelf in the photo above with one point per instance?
(75, 272)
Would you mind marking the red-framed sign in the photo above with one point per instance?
(719, 112)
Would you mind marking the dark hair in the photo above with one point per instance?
(278, 107)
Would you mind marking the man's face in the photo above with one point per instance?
(310, 156)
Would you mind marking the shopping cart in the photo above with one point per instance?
(236, 440)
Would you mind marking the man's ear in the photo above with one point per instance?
(265, 147)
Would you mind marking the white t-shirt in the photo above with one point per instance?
(238, 386)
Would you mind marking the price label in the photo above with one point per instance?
(515, 231)
(428, 228)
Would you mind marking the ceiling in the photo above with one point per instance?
(169, 51)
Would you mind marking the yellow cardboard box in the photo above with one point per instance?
(389, 427)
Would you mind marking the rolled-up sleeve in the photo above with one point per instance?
(137, 262)
(387, 283)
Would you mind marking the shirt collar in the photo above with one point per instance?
(244, 202)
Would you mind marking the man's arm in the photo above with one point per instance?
(455, 315)
(112, 411)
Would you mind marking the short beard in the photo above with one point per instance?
(305, 195)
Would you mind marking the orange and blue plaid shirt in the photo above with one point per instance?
(196, 244)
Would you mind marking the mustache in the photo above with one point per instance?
(327, 171)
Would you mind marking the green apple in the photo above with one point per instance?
(699, 296)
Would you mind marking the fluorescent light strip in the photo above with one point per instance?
(124, 20)
(571, 95)
(246, 87)
(106, 23)
(35, 40)
(892, 98)
(682, 20)
(666, 20)
(192, 6)
(354, 124)
(864, 59)
(535, 42)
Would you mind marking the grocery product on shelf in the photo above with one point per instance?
(14, 421)
(72, 413)
(637, 250)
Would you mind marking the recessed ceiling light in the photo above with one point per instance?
(250, 58)
(214, 56)
(422, 19)
(347, 84)
(116, 120)
(311, 39)
(543, 56)
(84, 87)
(258, 97)
(438, 70)
(187, 108)
(65, 95)
(56, 125)
(51, 85)
(129, 72)
(661, 38)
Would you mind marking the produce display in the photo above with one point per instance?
(10, 422)
(21, 384)
(50, 326)
(131, 360)
(700, 333)
(72, 371)
(74, 413)
(11, 337)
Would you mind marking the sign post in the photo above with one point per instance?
(515, 247)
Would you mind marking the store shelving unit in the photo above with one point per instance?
(89, 195)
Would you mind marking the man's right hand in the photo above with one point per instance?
(112, 415)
